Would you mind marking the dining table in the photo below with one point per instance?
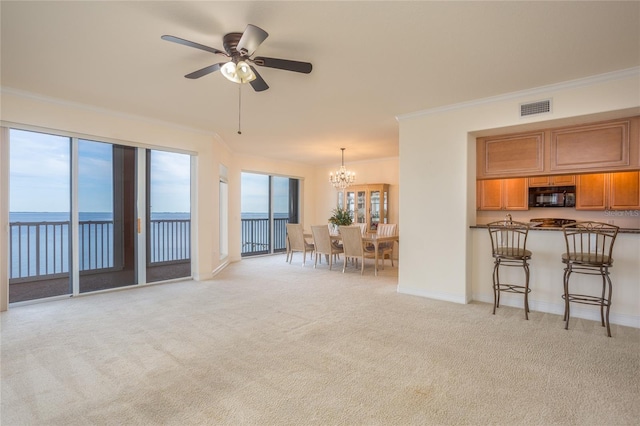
(374, 239)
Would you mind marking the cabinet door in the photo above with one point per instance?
(515, 194)
(361, 203)
(559, 180)
(350, 202)
(536, 181)
(591, 191)
(563, 180)
(510, 155)
(490, 194)
(601, 145)
(624, 190)
(374, 209)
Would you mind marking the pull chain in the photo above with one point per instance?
(239, 106)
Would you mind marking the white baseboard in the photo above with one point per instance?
(447, 297)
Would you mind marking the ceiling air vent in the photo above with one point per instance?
(534, 108)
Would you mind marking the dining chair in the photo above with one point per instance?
(385, 249)
(297, 242)
(589, 251)
(324, 245)
(509, 248)
(353, 247)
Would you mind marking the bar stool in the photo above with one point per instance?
(509, 248)
(589, 252)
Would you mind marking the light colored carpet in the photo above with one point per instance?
(268, 343)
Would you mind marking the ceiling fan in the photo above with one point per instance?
(239, 47)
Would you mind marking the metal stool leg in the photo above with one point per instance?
(496, 286)
(525, 265)
(567, 274)
(608, 302)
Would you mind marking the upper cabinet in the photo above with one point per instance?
(561, 180)
(502, 194)
(510, 155)
(596, 147)
(608, 191)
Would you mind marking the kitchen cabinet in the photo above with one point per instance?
(560, 180)
(520, 154)
(503, 194)
(599, 147)
(603, 145)
(608, 191)
(369, 204)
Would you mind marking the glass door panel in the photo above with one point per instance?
(39, 215)
(107, 215)
(360, 218)
(268, 203)
(169, 215)
(281, 212)
(351, 203)
(374, 210)
(254, 205)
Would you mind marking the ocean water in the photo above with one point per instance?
(262, 215)
(84, 216)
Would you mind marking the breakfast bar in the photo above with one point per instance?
(546, 281)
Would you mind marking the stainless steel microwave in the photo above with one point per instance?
(552, 196)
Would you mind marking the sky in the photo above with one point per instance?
(40, 178)
(255, 193)
(40, 175)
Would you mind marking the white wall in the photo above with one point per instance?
(437, 173)
(375, 171)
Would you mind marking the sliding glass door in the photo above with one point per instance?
(107, 216)
(169, 215)
(85, 215)
(39, 215)
(268, 204)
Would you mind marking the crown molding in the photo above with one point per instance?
(582, 82)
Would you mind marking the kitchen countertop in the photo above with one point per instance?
(555, 229)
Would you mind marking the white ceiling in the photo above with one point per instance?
(372, 61)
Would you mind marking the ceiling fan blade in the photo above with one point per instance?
(283, 64)
(204, 71)
(192, 44)
(251, 39)
(258, 84)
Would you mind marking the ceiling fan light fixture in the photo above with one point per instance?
(244, 72)
(238, 73)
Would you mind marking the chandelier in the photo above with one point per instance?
(342, 177)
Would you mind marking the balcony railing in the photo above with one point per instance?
(170, 240)
(41, 249)
(255, 236)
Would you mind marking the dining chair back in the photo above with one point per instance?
(387, 229)
(297, 242)
(385, 249)
(353, 246)
(323, 245)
